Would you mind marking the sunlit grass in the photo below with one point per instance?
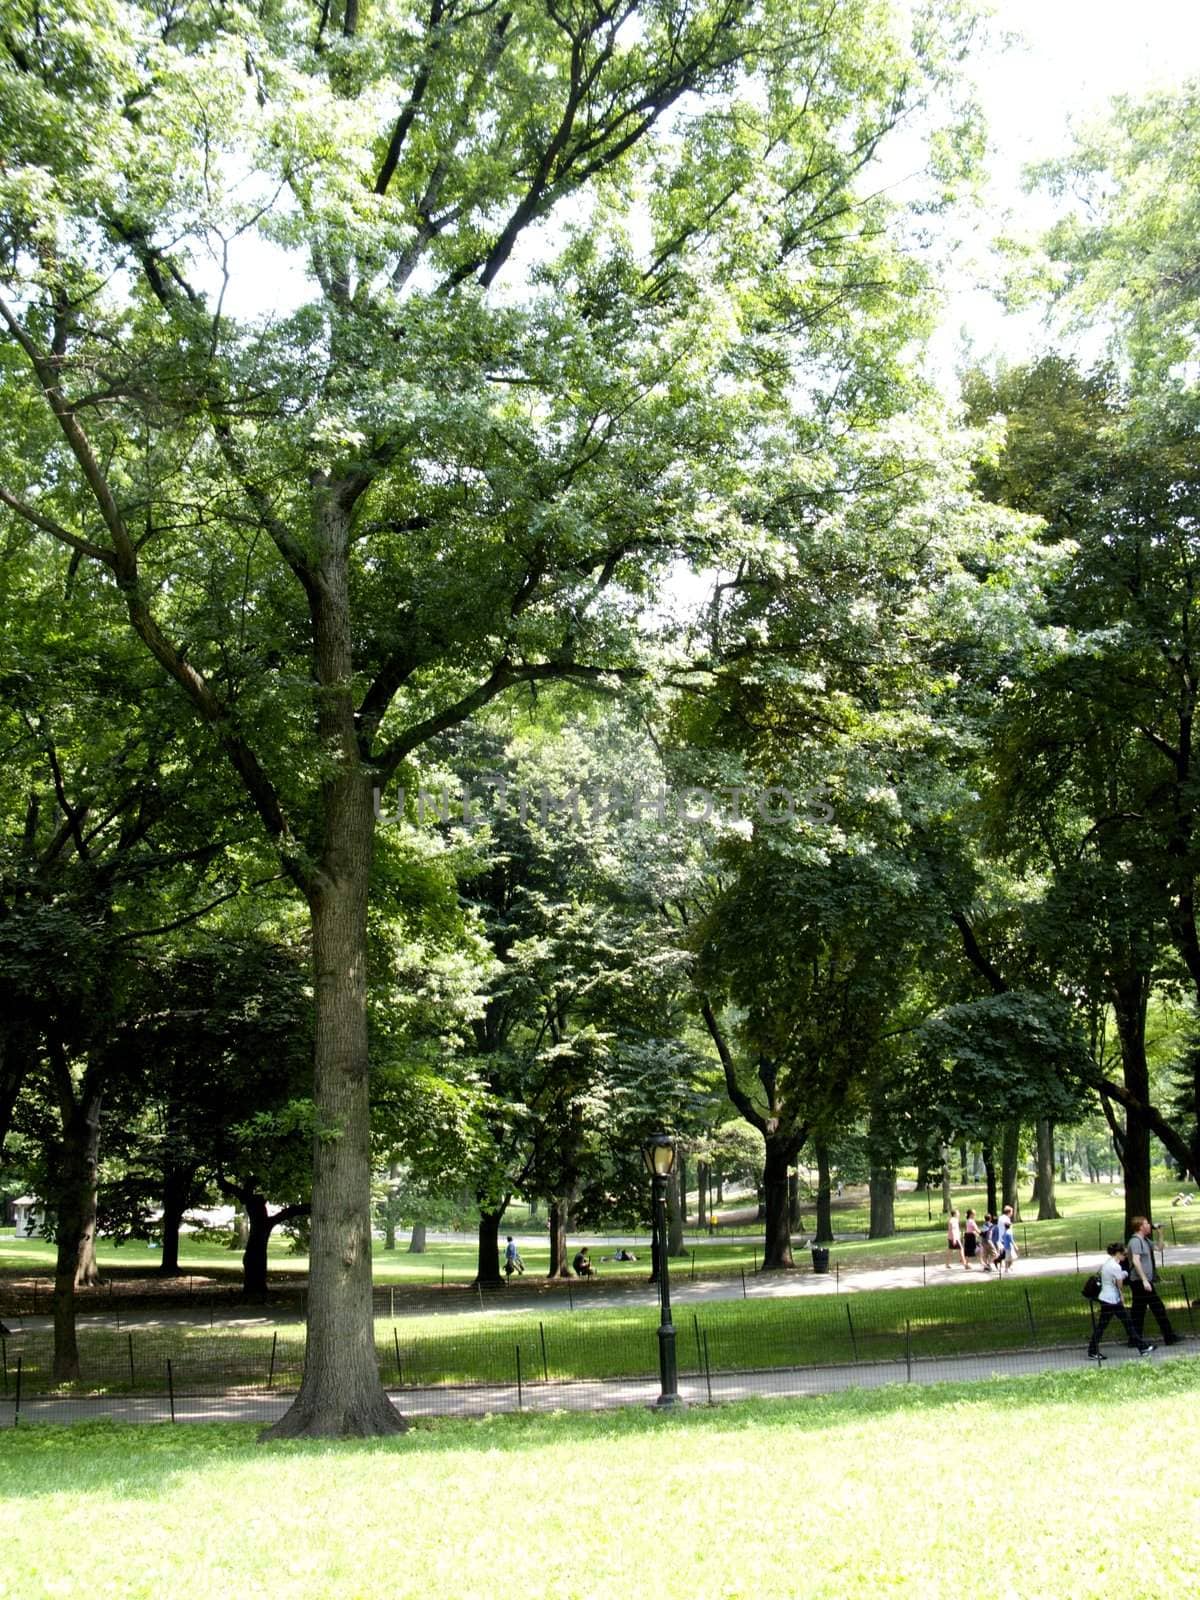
(856, 1495)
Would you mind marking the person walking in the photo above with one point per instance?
(989, 1240)
(954, 1244)
(1112, 1276)
(971, 1240)
(512, 1258)
(1008, 1240)
(1140, 1256)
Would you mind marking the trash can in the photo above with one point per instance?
(820, 1257)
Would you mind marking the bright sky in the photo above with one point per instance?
(1072, 57)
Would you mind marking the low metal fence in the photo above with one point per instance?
(725, 1349)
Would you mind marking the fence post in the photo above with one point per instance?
(132, 1377)
(1029, 1312)
(850, 1325)
(443, 1274)
(17, 1408)
(1077, 1255)
(707, 1368)
(1174, 1236)
(693, 1263)
(399, 1368)
(1187, 1300)
(908, 1349)
(1099, 1236)
(271, 1368)
(545, 1363)
(35, 1294)
(520, 1401)
(699, 1353)
(743, 1283)
(756, 1259)
(1024, 1239)
(924, 1280)
(171, 1388)
(837, 1277)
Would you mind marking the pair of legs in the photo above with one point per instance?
(1148, 1300)
(1107, 1314)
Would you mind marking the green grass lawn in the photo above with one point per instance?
(866, 1495)
(1091, 1217)
(481, 1347)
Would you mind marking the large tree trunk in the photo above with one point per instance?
(963, 1175)
(254, 1257)
(781, 1151)
(794, 1200)
(559, 1266)
(416, 1245)
(683, 1205)
(177, 1190)
(675, 1244)
(702, 1204)
(341, 1393)
(75, 1222)
(947, 1196)
(1129, 1008)
(824, 1195)
(882, 1181)
(989, 1172)
(1044, 1185)
(487, 1269)
(1010, 1156)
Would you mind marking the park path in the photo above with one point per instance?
(477, 1400)
(524, 1300)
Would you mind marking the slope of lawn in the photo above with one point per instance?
(1010, 1489)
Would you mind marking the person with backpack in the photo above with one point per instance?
(1111, 1303)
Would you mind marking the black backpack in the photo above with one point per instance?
(1091, 1287)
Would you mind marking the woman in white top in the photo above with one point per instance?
(1112, 1276)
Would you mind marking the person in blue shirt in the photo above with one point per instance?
(512, 1258)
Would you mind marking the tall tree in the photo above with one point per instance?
(342, 528)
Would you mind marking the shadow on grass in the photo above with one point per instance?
(146, 1462)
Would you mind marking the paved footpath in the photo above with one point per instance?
(479, 1400)
(518, 1301)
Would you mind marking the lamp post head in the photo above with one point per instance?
(658, 1153)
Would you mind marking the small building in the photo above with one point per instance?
(28, 1216)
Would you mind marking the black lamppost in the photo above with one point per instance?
(659, 1155)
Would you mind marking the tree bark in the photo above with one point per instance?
(1047, 1208)
(824, 1233)
(947, 1196)
(963, 1175)
(341, 1393)
(487, 1270)
(794, 1200)
(1129, 1010)
(683, 1205)
(1010, 1156)
(882, 1181)
(416, 1245)
(675, 1244)
(75, 1221)
(177, 1189)
(781, 1151)
(989, 1172)
(254, 1257)
(559, 1266)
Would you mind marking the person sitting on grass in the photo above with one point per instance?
(1111, 1303)
(583, 1267)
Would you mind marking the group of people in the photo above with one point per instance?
(1131, 1263)
(992, 1243)
(581, 1266)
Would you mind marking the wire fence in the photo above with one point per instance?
(725, 1350)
